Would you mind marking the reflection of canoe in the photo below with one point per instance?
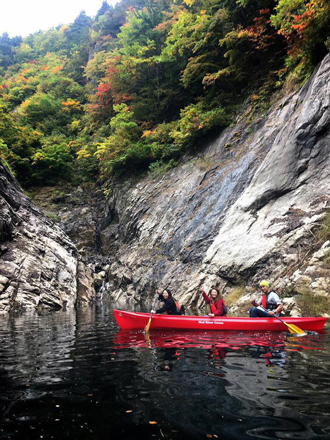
(198, 339)
(133, 320)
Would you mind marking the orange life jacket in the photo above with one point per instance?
(177, 305)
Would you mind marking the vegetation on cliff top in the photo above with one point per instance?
(145, 80)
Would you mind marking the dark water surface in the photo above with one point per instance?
(73, 374)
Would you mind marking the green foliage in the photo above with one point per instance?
(39, 107)
(7, 49)
(53, 217)
(4, 153)
(313, 305)
(53, 160)
(195, 121)
(146, 81)
(323, 233)
(122, 147)
(24, 53)
(159, 168)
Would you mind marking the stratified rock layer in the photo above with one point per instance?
(246, 208)
(39, 265)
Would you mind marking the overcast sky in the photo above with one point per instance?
(23, 17)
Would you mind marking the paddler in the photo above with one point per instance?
(214, 299)
(171, 306)
(269, 303)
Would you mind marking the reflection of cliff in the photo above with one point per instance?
(39, 265)
(244, 208)
(256, 390)
(192, 386)
(36, 354)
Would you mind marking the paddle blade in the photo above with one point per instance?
(148, 325)
(295, 330)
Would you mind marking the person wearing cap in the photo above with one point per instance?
(269, 303)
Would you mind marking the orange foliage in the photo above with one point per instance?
(71, 104)
(56, 69)
(296, 33)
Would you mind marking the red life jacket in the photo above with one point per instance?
(213, 308)
(266, 304)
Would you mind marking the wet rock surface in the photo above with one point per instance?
(39, 265)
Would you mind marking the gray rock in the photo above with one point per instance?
(3, 280)
(40, 266)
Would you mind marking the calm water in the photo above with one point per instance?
(74, 375)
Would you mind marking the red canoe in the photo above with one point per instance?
(132, 320)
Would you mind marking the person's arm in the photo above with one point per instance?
(220, 305)
(278, 310)
(206, 298)
(160, 298)
(160, 295)
(256, 303)
(166, 306)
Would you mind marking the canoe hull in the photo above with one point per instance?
(136, 321)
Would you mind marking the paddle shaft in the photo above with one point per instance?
(292, 328)
(153, 307)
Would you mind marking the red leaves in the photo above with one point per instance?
(103, 88)
(261, 33)
(103, 94)
(301, 22)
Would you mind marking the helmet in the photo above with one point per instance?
(264, 283)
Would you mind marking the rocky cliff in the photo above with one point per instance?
(39, 265)
(248, 207)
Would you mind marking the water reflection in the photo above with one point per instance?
(75, 374)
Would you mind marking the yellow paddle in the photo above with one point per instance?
(292, 328)
(146, 329)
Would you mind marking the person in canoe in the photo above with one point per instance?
(171, 306)
(217, 304)
(269, 303)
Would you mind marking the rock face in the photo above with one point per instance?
(39, 265)
(78, 211)
(245, 208)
